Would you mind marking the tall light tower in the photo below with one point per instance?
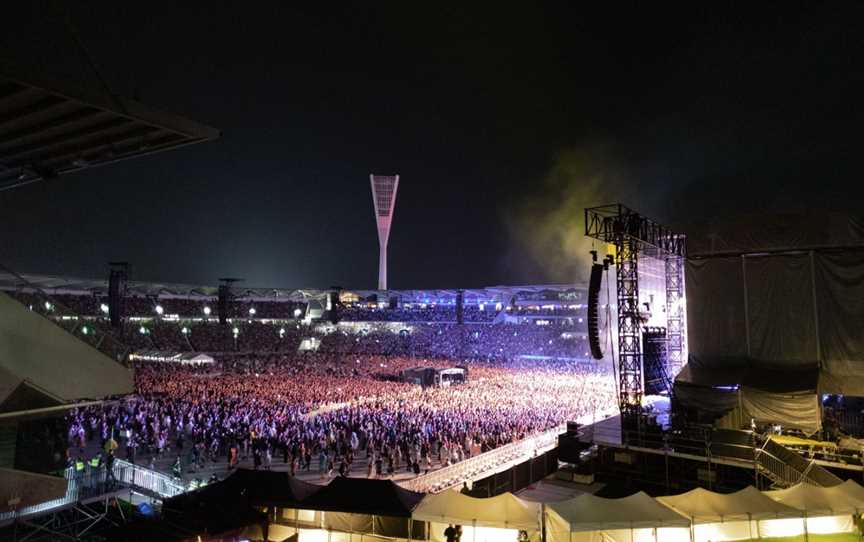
(384, 198)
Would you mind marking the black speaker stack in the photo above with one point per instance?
(118, 275)
(223, 306)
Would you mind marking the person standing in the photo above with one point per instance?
(256, 457)
(450, 533)
(232, 456)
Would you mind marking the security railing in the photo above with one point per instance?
(151, 481)
(778, 471)
(92, 483)
(800, 469)
(483, 464)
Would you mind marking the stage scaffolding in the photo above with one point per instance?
(648, 256)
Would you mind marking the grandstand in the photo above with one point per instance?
(500, 321)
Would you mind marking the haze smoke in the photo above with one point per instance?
(547, 226)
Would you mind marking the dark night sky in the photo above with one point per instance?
(503, 124)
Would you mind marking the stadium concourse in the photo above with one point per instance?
(302, 384)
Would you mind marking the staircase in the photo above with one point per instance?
(786, 468)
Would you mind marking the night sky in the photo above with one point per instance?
(503, 124)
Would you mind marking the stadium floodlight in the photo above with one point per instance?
(384, 199)
(159, 310)
(207, 310)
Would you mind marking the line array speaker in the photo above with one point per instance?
(594, 310)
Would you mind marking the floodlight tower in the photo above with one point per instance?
(384, 198)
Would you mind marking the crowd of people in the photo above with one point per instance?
(321, 396)
(487, 341)
(322, 413)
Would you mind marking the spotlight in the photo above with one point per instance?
(207, 310)
(236, 331)
(185, 330)
(159, 310)
(252, 311)
(48, 306)
(281, 332)
(104, 308)
(85, 330)
(142, 330)
(297, 313)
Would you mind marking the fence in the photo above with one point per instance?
(93, 483)
(800, 469)
(484, 464)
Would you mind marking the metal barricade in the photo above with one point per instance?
(93, 483)
(483, 464)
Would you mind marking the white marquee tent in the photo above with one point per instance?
(824, 509)
(745, 514)
(631, 519)
(482, 520)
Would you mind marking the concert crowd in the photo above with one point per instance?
(324, 412)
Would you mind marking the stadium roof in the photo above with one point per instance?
(48, 128)
(58, 284)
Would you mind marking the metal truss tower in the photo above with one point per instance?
(632, 234)
(629, 331)
(676, 323)
(384, 199)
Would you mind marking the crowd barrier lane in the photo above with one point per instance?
(484, 464)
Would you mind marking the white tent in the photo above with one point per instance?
(821, 501)
(589, 513)
(853, 489)
(741, 515)
(703, 506)
(634, 518)
(826, 510)
(194, 359)
(482, 520)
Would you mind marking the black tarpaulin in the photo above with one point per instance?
(753, 374)
(270, 488)
(799, 304)
(715, 309)
(364, 496)
(761, 232)
(780, 308)
(764, 393)
(257, 488)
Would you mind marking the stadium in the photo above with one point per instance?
(700, 382)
